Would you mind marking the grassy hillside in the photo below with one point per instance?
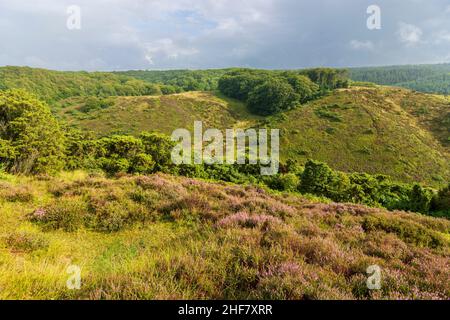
(160, 237)
(375, 130)
(158, 113)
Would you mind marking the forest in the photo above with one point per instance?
(423, 78)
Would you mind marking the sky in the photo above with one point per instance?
(108, 35)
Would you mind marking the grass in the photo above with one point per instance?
(164, 114)
(373, 130)
(362, 129)
(202, 240)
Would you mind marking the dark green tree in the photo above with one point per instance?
(31, 140)
(302, 85)
(271, 97)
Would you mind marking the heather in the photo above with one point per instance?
(160, 236)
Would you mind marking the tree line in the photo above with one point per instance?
(423, 78)
(270, 92)
(52, 86)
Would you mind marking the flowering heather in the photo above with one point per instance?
(38, 213)
(284, 269)
(243, 219)
(161, 236)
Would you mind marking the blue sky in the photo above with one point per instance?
(198, 34)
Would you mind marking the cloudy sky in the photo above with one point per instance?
(167, 34)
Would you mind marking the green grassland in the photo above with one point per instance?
(161, 237)
(159, 113)
(376, 130)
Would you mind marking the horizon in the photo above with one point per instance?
(232, 67)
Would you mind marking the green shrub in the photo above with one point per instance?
(283, 182)
(142, 163)
(120, 146)
(31, 140)
(159, 147)
(440, 203)
(94, 103)
(319, 179)
(420, 199)
(114, 166)
(326, 113)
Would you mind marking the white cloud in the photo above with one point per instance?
(409, 33)
(442, 37)
(362, 45)
(166, 49)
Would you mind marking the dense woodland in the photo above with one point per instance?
(423, 78)
(270, 92)
(180, 80)
(51, 86)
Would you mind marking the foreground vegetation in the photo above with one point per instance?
(160, 237)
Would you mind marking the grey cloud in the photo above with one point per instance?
(160, 34)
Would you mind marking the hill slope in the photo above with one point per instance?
(375, 130)
(158, 113)
(142, 237)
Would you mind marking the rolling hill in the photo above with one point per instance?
(376, 130)
(138, 234)
(158, 113)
